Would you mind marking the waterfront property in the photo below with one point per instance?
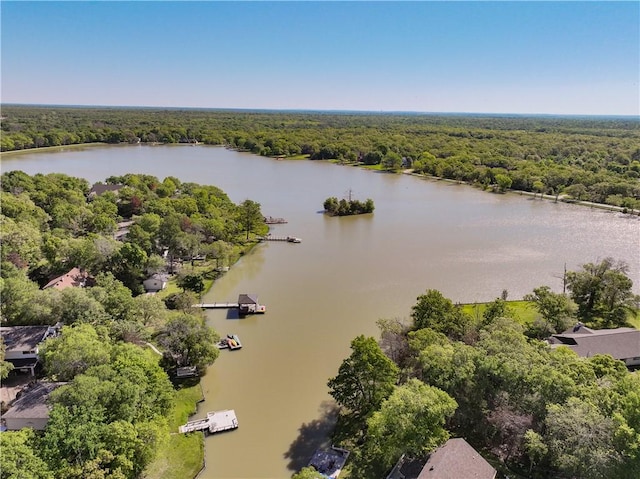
(620, 343)
(455, 459)
(216, 421)
(30, 409)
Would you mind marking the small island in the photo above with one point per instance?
(343, 207)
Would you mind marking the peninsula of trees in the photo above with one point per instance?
(594, 159)
(112, 415)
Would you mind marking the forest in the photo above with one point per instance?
(112, 415)
(534, 411)
(594, 159)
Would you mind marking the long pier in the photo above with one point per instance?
(216, 421)
(217, 305)
(290, 239)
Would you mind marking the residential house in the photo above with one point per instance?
(620, 343)
(155, 283)
(456, 459)
(31, 408)
(22, 343)
(76, 277)
(100, 188)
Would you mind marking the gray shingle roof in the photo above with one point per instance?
(621, 343)
(32, 403)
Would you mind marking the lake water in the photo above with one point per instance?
(347, 273)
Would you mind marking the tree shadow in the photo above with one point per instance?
(312, 435)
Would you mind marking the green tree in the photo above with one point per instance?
(19, 459)
(250, 216)
(580, 440)
(603, 292)
(190, 341)
(191, 282)
(410, 421)
(557, 311)
(5, 366)
(435, 311)
(504, 182)
(365, 378)
(77, 349)
(308, 472)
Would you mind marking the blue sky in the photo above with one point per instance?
(484, 57)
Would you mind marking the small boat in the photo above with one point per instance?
(232, 341)
(293, 239)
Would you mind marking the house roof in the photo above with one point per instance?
(100, 188)
(456, 459)
(76, 277)
(32, 402)
(248, 299)
(620, 343)
(23, 338)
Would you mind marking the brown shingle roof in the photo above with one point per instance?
(457, 460)
(76, 277)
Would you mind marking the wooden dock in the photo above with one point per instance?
(270, 220)
(216, 305)
(288, 239)
(216, 421)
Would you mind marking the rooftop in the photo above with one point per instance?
(456, 459)
(75, 277)
(23, 338)
(621, 343)
(32, 402)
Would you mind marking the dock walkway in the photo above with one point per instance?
(288, 239)
(216, 305)
(216, 421)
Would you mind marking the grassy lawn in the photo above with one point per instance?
(634, 319)
(523, 311)
(182, 456)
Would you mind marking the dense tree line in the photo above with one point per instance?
(109, 419)
(542, 412)
(593, 159)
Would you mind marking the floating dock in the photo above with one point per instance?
(232, 342)
(216, 421)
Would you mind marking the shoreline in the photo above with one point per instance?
(410, 172)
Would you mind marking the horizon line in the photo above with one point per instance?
(335, 111)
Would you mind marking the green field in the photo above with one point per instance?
(182, 456)
(523, 311)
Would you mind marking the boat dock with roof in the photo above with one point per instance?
(246, 304)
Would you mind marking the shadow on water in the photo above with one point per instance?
(312, 435)
(233, 313)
